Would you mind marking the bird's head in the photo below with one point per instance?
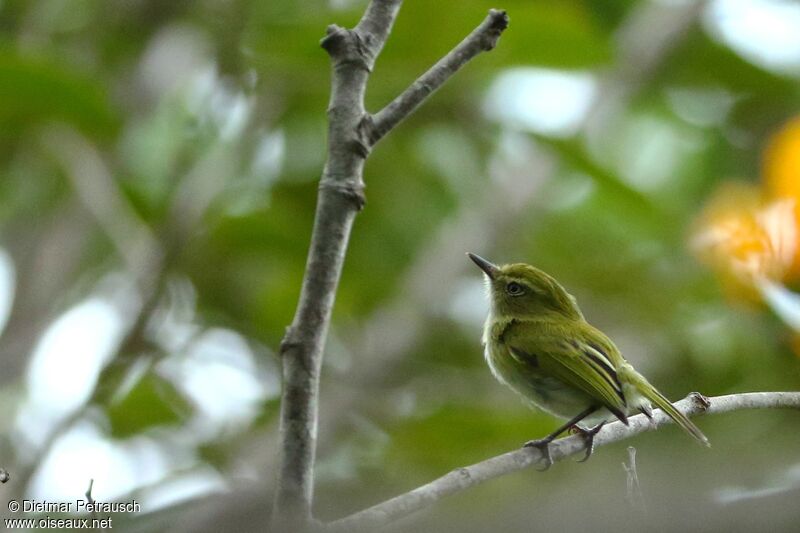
(523, 291)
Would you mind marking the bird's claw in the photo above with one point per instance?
(648, 412)
(588, 437)
(543, 445)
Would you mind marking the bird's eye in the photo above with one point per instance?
(514, 289)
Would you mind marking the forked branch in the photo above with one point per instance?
(351, 134)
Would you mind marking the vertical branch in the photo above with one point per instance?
(340, 197)
(351, 134)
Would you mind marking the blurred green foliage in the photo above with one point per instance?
(152, 402)
(154, 85)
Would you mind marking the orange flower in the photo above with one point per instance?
(747, 238)
(782, 174)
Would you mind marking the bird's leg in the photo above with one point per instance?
(544, 444)
(588, 437)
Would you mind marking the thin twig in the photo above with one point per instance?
(91, 502)
(482, 39)
(351, 134)
(88, 492)
(465, 477)
(634, 491)
(90, 499)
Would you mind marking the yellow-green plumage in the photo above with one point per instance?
(539, 344)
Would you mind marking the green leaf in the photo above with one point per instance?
(152, 402)
(36, 90)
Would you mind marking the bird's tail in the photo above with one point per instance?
(659, 400)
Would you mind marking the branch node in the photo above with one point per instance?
(700, 400)
(498, 23)
(346, 48)
(363, 49)
(334, 38)
(349, 189)
(368, 130)
(288, 342)
(360, 148)
(367, 135)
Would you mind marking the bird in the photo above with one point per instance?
(538, 343)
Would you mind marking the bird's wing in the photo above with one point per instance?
(575, 360)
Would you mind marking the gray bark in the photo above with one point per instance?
(351, 134)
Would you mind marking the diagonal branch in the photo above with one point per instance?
(351, 134)
(482, 39)
(465, 477)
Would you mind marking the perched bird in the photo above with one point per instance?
(537, 342)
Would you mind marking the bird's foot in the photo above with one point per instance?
(648, 412)
(543, 445)
(588, 437)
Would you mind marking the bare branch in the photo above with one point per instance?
(88, 492)
(340, 197)
(90, 499)
(351, 134)
(482, 39)
(465, 477)
(376, 24)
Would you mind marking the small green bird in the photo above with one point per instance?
(538, 343)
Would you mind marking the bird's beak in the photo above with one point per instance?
(490, 268)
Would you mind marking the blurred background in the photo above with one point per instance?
(159, 166)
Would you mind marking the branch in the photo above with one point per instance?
(482, 39)
(462, 478)
(340, 197)
(351, 134)
(90, 499)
